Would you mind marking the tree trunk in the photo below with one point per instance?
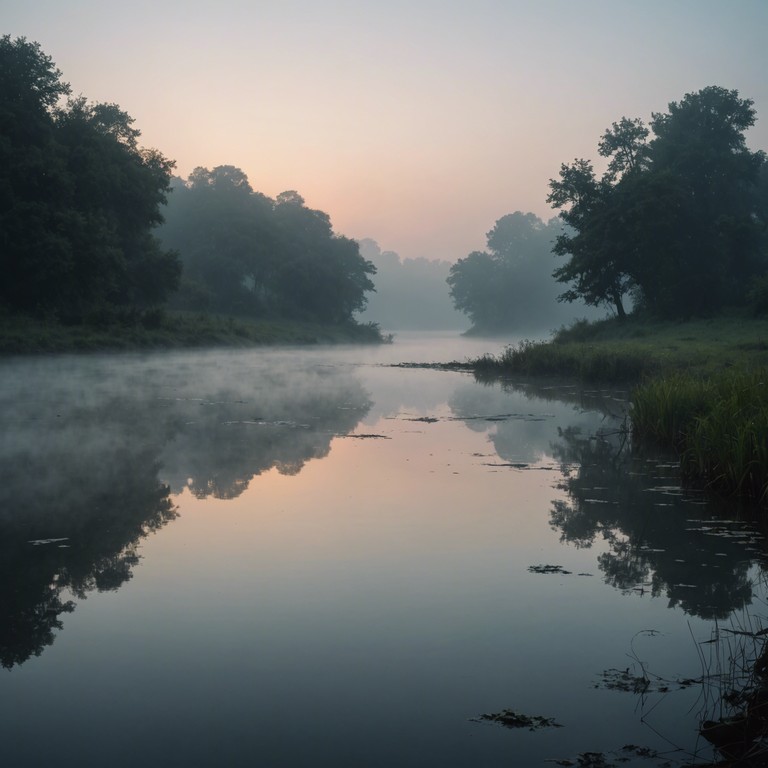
(620, 313)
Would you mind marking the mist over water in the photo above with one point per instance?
(308, 557)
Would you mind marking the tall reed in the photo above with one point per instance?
(726, 449)
(663, 409)
(718, 425)
(585, 362)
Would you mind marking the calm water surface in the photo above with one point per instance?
(308, 558)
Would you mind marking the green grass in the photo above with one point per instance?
(664, 408)
(718, 425)
(603, 363)
(699, 387)
(169, 330)
(611, 351)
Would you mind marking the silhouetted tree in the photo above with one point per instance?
(246, 253)
(678, 218)
(510, 286)
(78, 197)
(595, 211)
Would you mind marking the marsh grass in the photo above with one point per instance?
(734, 709)
(585, 362)
(700, 388)
(718, 425)
(726, 448)
(612, 352)
(663, 409)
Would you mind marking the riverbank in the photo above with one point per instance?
(609, 351)
(699, 387)
(170, 330)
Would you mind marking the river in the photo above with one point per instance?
(308, 557)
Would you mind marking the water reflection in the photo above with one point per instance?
(276, 420)
(61, 541)
(387, 586)
(662, 541)
(92, 449)
(522, 420)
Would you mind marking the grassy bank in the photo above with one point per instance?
(717, 424)
(609, 351)
(168, 330)
(699, 387)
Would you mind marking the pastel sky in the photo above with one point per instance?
(417, 123)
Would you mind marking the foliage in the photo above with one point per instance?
(247, 254)
(595, 267)
(679, 219)
(706, 397)
(127, 328)
(664, 408)
(78, 197)
(509, 285)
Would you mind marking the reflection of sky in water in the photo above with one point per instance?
(357, 610)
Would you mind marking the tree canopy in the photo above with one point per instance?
(79, 197)
(679, 220)
(247, 254)
(510, 285)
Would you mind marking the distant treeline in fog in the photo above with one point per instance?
(411, 294)
(245, 253)
(509, 286)
(676, 226)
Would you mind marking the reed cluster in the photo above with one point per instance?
(719, 426)
(585, 362)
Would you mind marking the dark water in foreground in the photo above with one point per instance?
(304, 558)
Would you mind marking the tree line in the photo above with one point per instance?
(676, 226)
(509, 285)
(245, 253)
(92, 223)
(677, 221)
(410, 292)
(82, 209)
(78, 197)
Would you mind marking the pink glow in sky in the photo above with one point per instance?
(417, 124)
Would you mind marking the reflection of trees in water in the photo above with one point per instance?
(81, 457)
(100, 525)
(659, 539)
(219, 445)
(521, 422)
